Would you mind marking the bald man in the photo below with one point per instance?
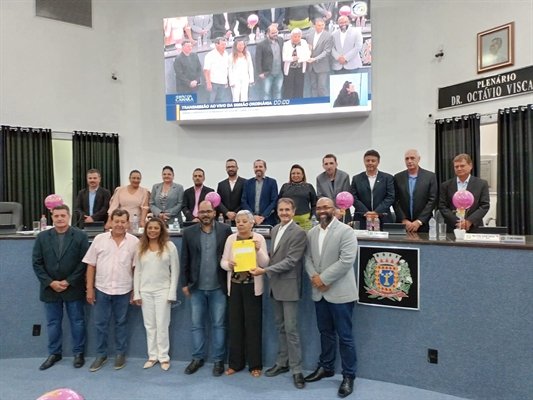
(416, 194)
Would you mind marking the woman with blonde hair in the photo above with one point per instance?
(155, 283)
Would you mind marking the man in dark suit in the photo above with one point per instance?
(260, 195)
(473, 218)
(331, 182)
(416, 194)
(269, 63)
(188, 69)
(318, 68)
(230, 191)
(285, 275)
(223, 25)
(271, 16)
(373, 191)
(205, 284)
(92, 203)
(57, 262)
(194, 195)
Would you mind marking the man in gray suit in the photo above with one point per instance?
(285, 275)
(333, 181)
(329, 262)
(348, 42)
(321, 43)
(201, 26)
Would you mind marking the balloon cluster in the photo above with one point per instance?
(462, 200)
(61, 394)
(344, 201)
(53, 200)
(213, 198)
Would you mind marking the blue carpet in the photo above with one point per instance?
(21, 379)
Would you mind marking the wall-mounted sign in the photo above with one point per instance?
(488, 88)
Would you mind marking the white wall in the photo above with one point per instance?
(58, 75)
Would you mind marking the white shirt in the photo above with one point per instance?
(315, 39)
(343, 37)
(217, 65)
(280, 233)
(153, 273)
(226, 24)
(114, 263)
(372, 181)
(273, 14)
(232, 184)
(322, 235)
(461, 185)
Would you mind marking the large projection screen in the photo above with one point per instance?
(231, 67)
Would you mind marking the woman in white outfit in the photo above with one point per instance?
(155, 283)
(240, 71)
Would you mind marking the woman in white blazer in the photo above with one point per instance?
(240, 71)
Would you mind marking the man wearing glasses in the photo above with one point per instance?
(329, 262)
(205, 284)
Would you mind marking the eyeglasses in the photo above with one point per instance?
(205, 212)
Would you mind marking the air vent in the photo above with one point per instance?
(77, 12)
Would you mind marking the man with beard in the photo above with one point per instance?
(204, 283)
(194, 195)
(329, 262)
(230, 191)
(269, 65)
(331, 182)
(260, 195)
(348, 42)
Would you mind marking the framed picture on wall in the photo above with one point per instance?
(495, 48)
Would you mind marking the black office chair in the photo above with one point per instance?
(11, 214)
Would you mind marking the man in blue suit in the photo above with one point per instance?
(57, 262)
(373, 191)
(260, 195)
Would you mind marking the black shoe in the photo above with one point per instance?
(97, 364)
(299, 381)
(218, 368)
(193, 366)
(79, 361)
(346, 387)
(276, 370)
(50, 361)
(319, 374)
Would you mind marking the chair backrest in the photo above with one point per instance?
(11, 213)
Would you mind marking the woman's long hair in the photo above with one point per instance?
(235, 52)
(144, 243)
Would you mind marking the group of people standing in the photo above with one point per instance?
(119, 269)
(280, 65)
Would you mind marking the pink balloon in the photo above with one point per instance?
(61, 394)
(344, 200)
(463, 199)
(253, 19)
(52, 201)
(214, 198)
(345, 10)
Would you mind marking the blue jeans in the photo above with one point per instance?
(274, 83)
(216, 95)
(214, 302)
(104, 305)
(54, 317)
(336, 320)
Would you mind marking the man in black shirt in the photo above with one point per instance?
(188, 69)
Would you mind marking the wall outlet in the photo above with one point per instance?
(36, 330)
(433, 356)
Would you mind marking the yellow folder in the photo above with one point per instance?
(244, 255)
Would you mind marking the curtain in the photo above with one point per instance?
(95, 150)
(454, 136)
(515, 170)
(27, 170)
